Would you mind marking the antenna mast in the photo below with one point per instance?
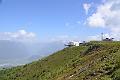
(102, 36)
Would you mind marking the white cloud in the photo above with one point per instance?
(96, 21)
(20, 35)
(86, 7)
(107, 16)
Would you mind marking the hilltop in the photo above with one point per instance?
(93, 61)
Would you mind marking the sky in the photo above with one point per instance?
(49, 19)
(45, 25)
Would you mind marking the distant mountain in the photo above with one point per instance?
(6, 65)
(15, 52)
(93, 61)
(34, 58)
(45, 48)
(11, 49)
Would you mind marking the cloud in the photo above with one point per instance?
(20, 35)
(96, 21)
(107, 16)
(14, 46)
(86, 7)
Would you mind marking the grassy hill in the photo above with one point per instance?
(96, 61)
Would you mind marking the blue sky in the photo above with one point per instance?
(47, 18)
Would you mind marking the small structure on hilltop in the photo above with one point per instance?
(108, 39)
(82, 43)
(72, 43)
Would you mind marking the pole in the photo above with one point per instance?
(102, 36)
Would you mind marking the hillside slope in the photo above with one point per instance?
(96, 61)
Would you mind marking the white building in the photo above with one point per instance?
(73, 43)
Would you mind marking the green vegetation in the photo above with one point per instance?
(95, 61)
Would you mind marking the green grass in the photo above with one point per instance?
(96, 61)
